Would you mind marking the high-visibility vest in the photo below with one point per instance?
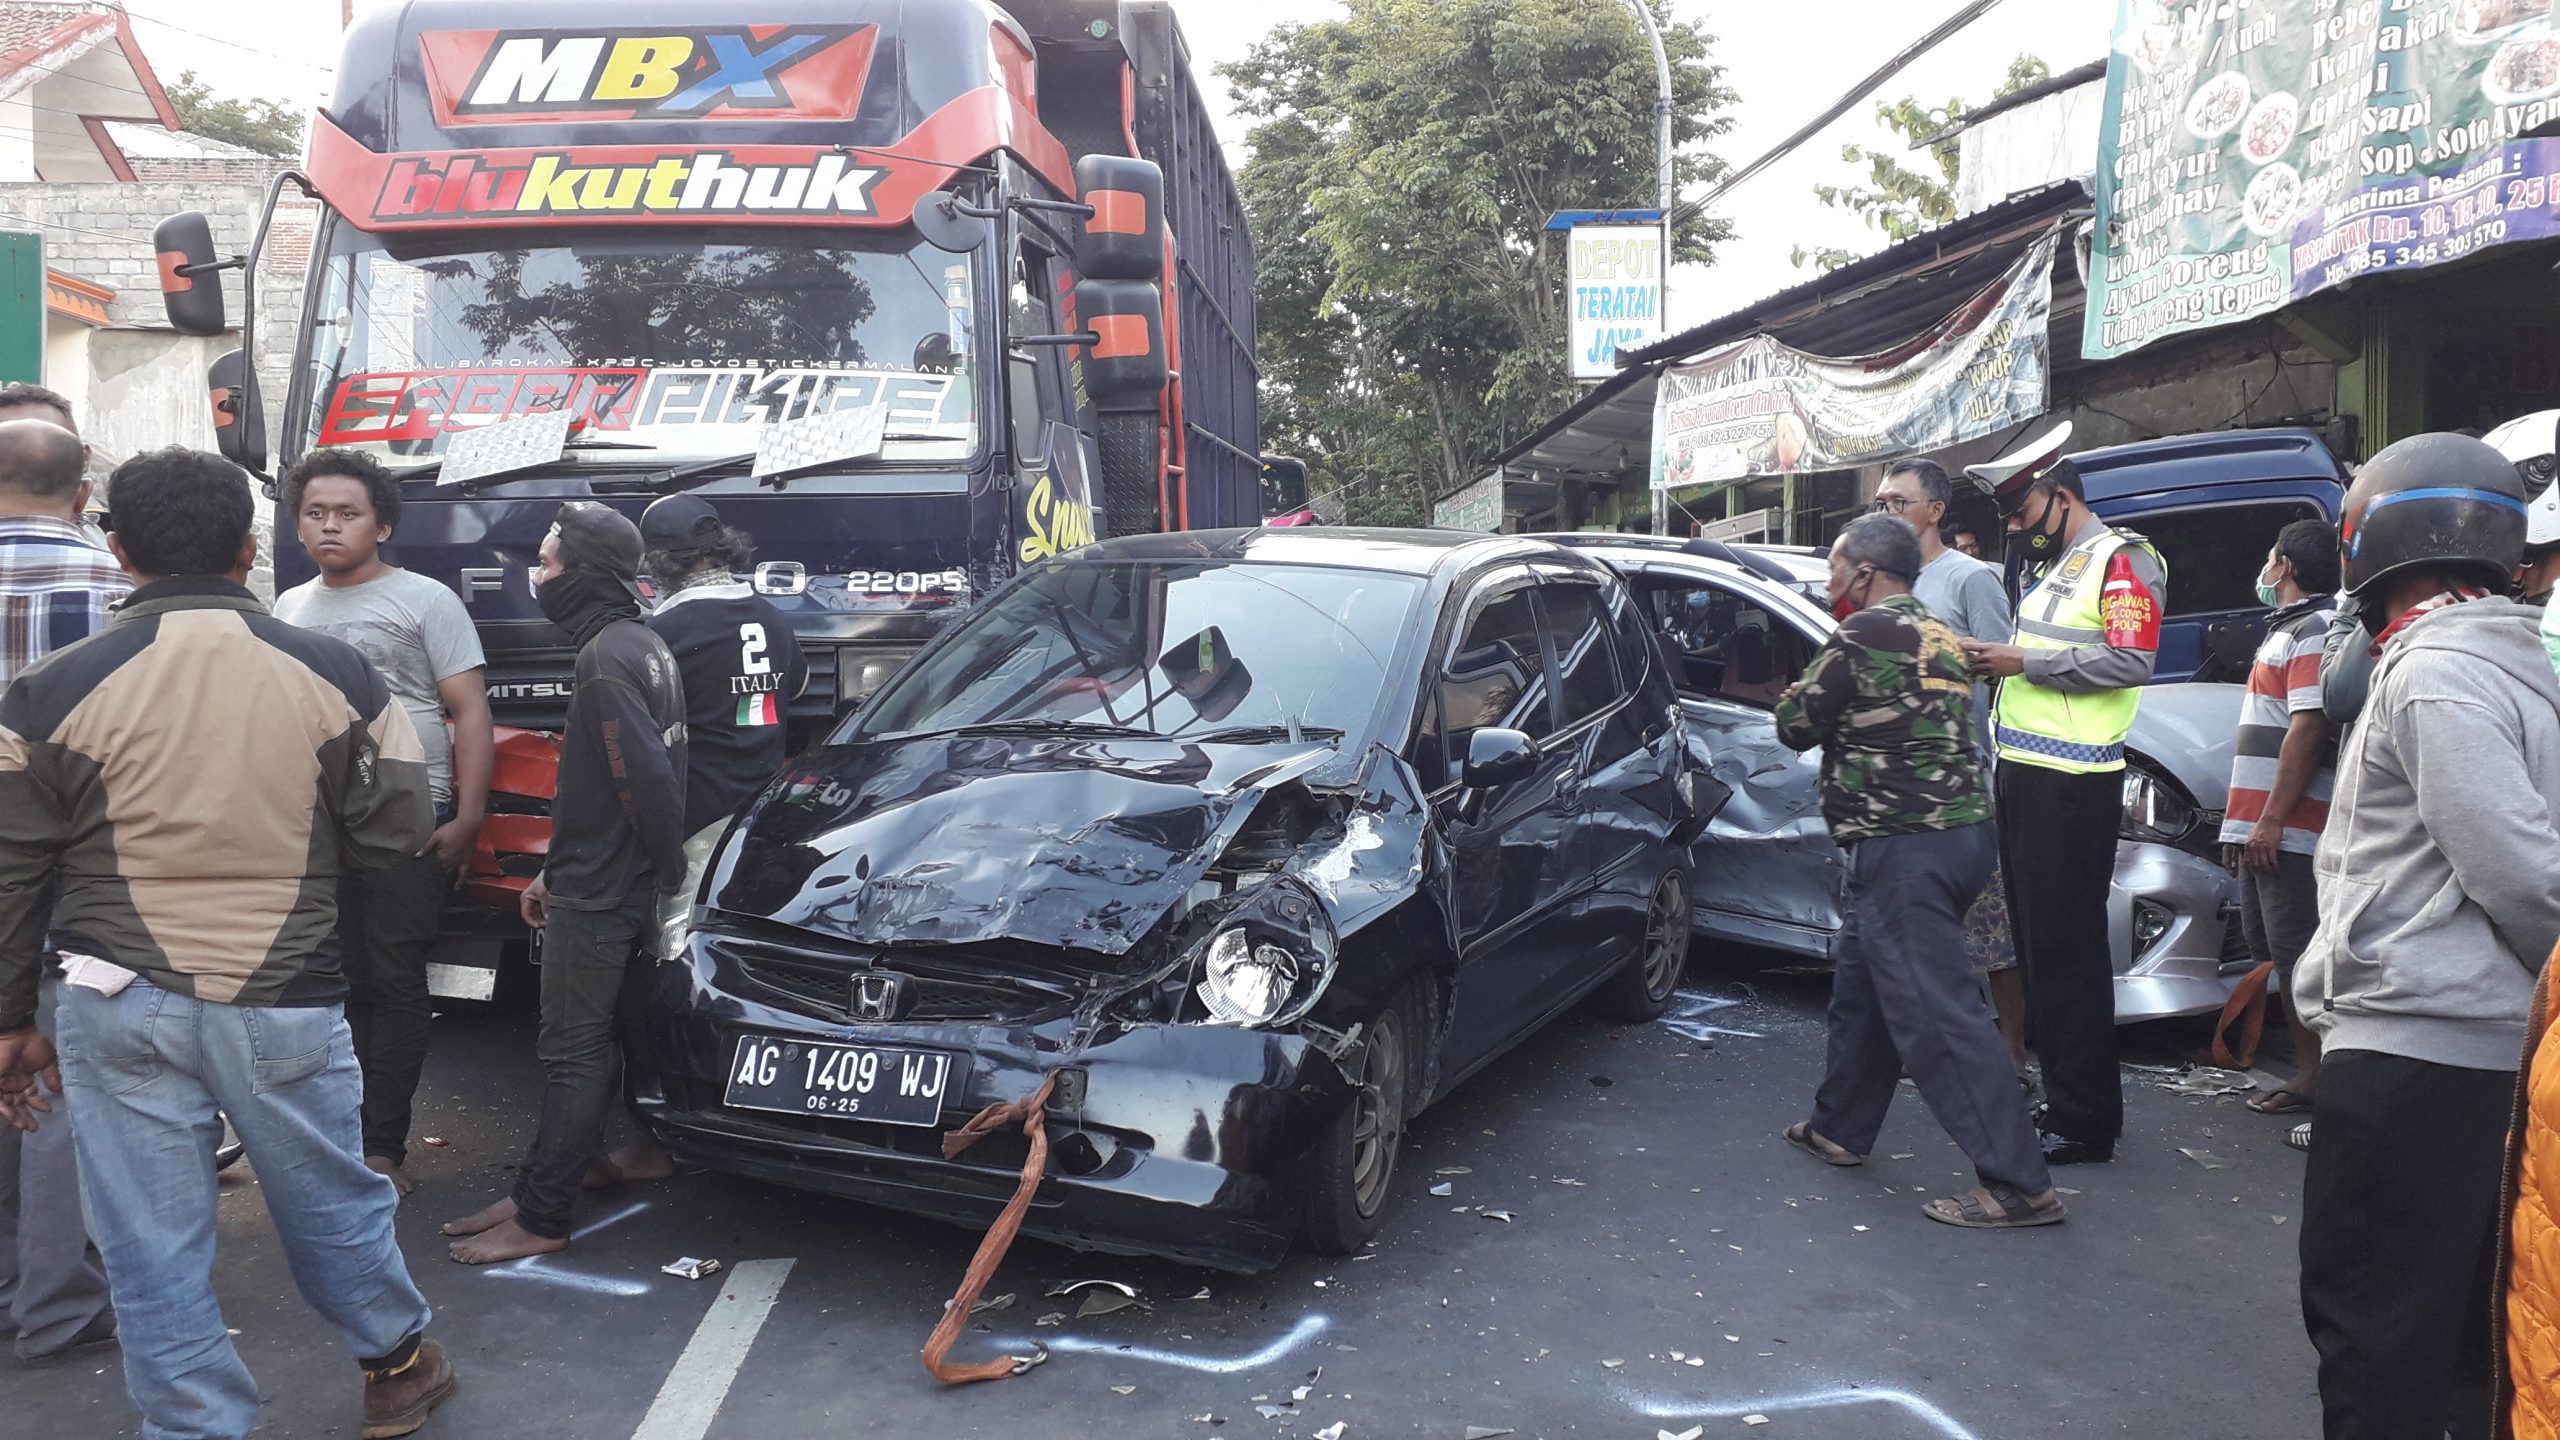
(2081, 732)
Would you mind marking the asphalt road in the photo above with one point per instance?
(1669, 1263)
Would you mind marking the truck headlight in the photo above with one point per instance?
(1246, 983)
(1270, 961)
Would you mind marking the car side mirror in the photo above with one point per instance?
(239, 413)
(1496, 758)
(190, 274)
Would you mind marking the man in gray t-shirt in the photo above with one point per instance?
(1967, 594)
(415, 631)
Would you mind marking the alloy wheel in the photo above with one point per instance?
(1377, 1125)
(1666, 935)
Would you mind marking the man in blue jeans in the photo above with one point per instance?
(199, 774)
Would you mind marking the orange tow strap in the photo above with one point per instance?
(1031, 1116)
(2248, 1007)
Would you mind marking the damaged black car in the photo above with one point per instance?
(1257, 842)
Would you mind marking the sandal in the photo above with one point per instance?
(2002, 1209)
(1801, 1136)
(2286, 1101)
(2299, 1137)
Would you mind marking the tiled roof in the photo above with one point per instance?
(29, 27)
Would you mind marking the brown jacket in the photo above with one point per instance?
(201, 772)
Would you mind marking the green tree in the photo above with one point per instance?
(1403, 162)
(268, 126)
(1897, 199)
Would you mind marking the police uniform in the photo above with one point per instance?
(2089, 624)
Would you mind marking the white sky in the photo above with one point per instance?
(1784, 70)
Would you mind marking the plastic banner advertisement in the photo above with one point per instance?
(1762, 408)
(2255, 152)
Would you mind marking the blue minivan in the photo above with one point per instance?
(2213, 505)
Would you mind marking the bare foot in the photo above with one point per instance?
(502, 1213)
(601, 1175)
(505, 1241)
(390, 1170)
(643, 1160)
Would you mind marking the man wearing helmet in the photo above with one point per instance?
(2436, 910)
(2088, 639)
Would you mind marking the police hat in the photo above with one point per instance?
(2008, 479)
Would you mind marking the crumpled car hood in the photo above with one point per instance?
(957, 840)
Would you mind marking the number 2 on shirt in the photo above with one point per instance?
(752, 659)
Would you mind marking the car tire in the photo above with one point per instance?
(1353, 1169)
(1643, 987)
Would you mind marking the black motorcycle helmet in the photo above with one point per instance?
(2433, 500)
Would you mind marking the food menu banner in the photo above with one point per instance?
(2255, 152)
(1763, 408)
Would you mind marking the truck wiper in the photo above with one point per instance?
(1084, 728)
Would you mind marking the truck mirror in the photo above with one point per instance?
(190, 274)
(1123, 239)
(1284, 486)
(1126, 367)
(947, 225)
(239, 415)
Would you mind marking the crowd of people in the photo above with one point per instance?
(179, 955)
(2394, 821)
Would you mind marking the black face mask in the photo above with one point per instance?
(2046, 537)
(582, 600)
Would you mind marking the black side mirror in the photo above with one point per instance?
(190, 275)
(1123, 239)
(1126, 368)
(948, 225)
(1496, 758)
(239, 414)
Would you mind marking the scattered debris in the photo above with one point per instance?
(2277, 1218)
(1124, 1389)
(2206, 1080)
(1733, 1339)
(1905, 1155)
(1203, 1295)
(689, 1268)
(1206, 1418)
(1601, 1082)
(1861, 1229)
(1755, 1419)
(1568, 1180)
(1611, 1364)
(437, 1142)
(2205, 1158)
(1692, 1433)
(1300, 1394)
(1695, 1360)
(1276, 1412)
(1489, 1432)
(1072, 1286)
(1444, 1189)
(1054, 1317)
(1688, 1018)
(1502, 1215)
(1332, 1431)
(1000, 1302)
(1109, 1302)
(1460, 1170)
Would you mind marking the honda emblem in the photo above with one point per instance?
(878, 996)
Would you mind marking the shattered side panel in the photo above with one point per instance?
(1768, 855)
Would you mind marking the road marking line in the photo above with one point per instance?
(702, 1375)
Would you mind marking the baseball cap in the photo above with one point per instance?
(678, 521)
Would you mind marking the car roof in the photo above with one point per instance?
(1411, 552)
(2150, 467)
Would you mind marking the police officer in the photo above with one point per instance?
(2087, 641)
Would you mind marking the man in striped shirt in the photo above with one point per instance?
(2281, 771)
(56, 588)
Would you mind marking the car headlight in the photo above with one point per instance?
(2156, 809)
(675, 927)
(1268, 962)
(1245, 983)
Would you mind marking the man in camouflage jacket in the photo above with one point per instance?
(1890, 701)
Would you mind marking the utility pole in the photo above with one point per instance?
(1669, 186)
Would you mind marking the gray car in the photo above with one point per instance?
(1737, 625)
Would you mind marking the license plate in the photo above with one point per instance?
(844, 1082)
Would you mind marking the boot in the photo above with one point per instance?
(397, 1402)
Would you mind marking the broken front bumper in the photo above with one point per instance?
(1187, 1141)
(2173, 923)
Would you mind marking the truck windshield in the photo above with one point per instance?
(668, 346)
(1192, 650)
